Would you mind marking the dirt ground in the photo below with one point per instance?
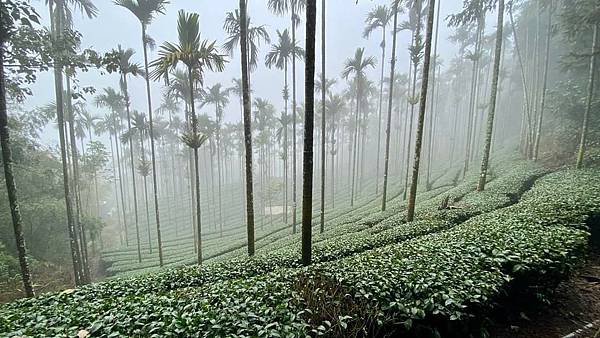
(575, 304)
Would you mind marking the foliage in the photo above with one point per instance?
(95, 158)
(450, 275)
(198, 55)
(40, 189)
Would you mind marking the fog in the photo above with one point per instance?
(141, 175)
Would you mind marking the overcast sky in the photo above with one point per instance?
(116, 25)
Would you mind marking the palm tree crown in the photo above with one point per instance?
(327, 85)
(256, 34)
(281, 7)
(217, 96)
(283, 51)
(110, 99)
(126, 66)
(195, 53)
(144, 10)
(377, 18)
(358, 64)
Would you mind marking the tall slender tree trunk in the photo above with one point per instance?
(538, 133)
(58, 89)
(192, 190)
(409, 124)
(453, 139)
(380, 104)
(355, 141)
(194, 123)
(212, 181)
(386, 164)
(493, 96)
(323, 90)
(333, 152)
(123, 204)
(307, 163)
(145, 180)
(413, 95)
(473, 98)
(131, 157)
(116, 187)
(294, 151)
(402, 152)
(219, 170)
(174, 175)
(350, 145)
(285, 143)
(11, 187)
(247, 130)
(363, 146)
(432, 105)
(589, 99)
(527, 110)
(535, 90)
(422, 108)
(75, 171)
(152, 149)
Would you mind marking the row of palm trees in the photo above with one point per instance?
(191, 49)
(347, 122)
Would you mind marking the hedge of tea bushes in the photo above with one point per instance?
(180, 251)
(123, 291)
(449, 275)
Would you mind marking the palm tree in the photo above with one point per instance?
(60, 20)
(309, 94)
(378, 18)
(219, 97)
(538, 134)
(329, 83)
(108, 124)
(323, 80)
(422, 107)
(237, 89)
(357, 66)
(90, 10)
(88, 123)
(282, 133)
(197, 55)
(589, 97)
(335, 105)
(179, 87)
(207, 126)
(493, 95)
(388, 128)
(255, 35)
(126, 67)
(11, 187)
(295, 8)
(73, 110)
(476, 13)
(141, 129)
(281, 53)
(115, 102)
(170, 106)
(264, 115)
(247, 118)
(416, 54)
(145, 10)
